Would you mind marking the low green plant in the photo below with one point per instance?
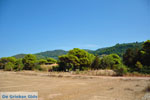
(121, 70)
(9, 66)
(37, 67)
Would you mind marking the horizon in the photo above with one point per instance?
(73, 48)
(33, 26)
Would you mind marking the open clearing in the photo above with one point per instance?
(74, 87)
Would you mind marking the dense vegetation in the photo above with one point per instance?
(138, 59)
(135, 59)
(117, 49)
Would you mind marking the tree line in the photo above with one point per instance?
(29, 62)
(133, 60)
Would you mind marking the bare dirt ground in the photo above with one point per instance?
(74, 87)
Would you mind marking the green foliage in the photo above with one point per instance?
(138, 65)
(19, 56)
(51, 54)
(19, 65)
(145, 53)
(51, 60)
(96, 63)
(145, 70)
(68, 62)
(55, 68)
(138, 60)
(42, 61)
(5, 60)
(106, 62)
(9, 66)
(29, 61)
(118, 49)
(37, 67)
(121, 70)
(110, 61)
(75, 59)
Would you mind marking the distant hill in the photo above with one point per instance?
(118, 49)
(52, 54)
(19, 56)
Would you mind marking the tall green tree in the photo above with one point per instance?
(19, 65)
(9, 66)
(129, 57)
(76, 59)
(42, 61)
(96, 63)
(51, 60)
(110, 61)
(145, 53)
(29, 61)
(5, 60)
(69, 62)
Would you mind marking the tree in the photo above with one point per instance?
(96, 63)
(29, 61)
(5, 60)
(138, 65)
(107, 62)
(76, 59)
(116, 58)
(129, 57)
(145, 53)
(51, 60)
(19, 65)
(85, 58)
(121, 70)
(110, 61)
(9, 66)
(42, 61)
(69, 62)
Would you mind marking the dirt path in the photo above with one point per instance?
(74, 87)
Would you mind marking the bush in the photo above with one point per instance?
(19, 65)
(145, 70)
(121, 70)
(37, 67)
(55, 68)
(9, 66)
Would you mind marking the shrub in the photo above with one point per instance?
(9, 66)
(19, 65)
(145, 70)
(55, 68)
(121, 70)
(37, 67)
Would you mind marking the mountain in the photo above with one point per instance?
(52, 54)
(118, 49)
(19, 56)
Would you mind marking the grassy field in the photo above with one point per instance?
(74, 87)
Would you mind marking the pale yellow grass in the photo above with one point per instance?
(74, 87)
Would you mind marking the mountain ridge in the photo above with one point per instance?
(117, 49)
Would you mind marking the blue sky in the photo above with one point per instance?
(31, 26)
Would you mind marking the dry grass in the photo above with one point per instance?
(96, 72)
(47, 67)
(73, 87)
